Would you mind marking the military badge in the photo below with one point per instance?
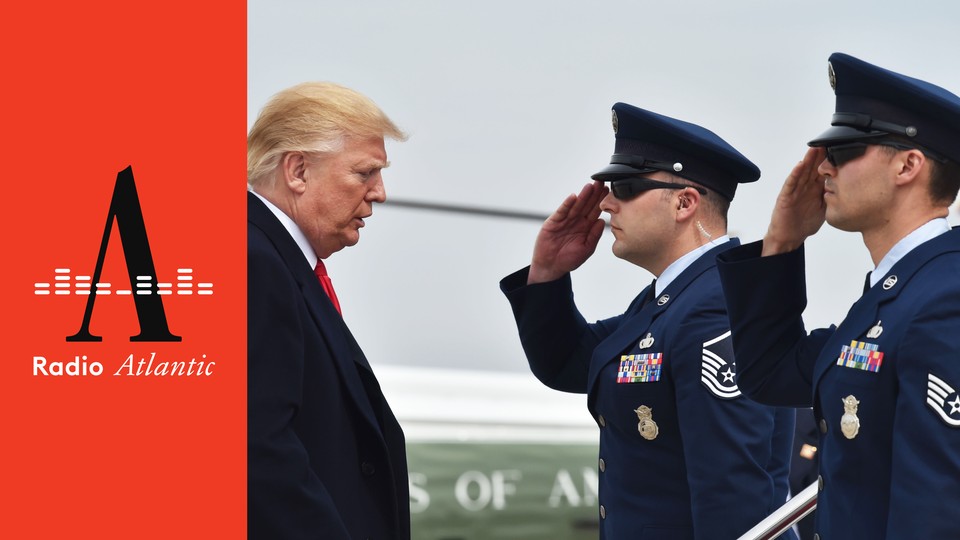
(663, 300)
(646, 426)
(715, 372)
(861, 355)
(616, 124)
(889, 283)
(832, 77)
(646, 342)
(939, 395)
(875, 331)
(849, 423)
(639, 368)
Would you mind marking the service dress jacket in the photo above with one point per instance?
(682, 454)
(326, 456)
(883, 385)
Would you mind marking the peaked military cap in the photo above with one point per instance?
(648, 142)
(873, 102)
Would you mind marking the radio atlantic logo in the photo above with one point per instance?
(147, 290)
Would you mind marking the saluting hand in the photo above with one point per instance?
(800, 210)
(569, 236)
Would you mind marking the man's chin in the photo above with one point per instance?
(619, 251)
(344, 243)
(839, 222)
(352, 239)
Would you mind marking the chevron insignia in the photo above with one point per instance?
(715, 372)
(943, 399)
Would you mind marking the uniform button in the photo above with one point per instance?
(820, 483)
(816, 536)
(603, 465)
(823, 425)
(602, 420)
(368, 468)
(603, 512)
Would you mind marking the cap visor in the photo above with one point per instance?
(617, 171)
(844, 134)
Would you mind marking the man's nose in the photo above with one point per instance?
(377, 193)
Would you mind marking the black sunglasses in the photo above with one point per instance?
(628, 188)
(844, 153)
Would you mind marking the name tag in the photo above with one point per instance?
(860, 355)
(638, 368)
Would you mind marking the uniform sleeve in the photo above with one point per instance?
(286, 499)
(557, 340)
(925, 479)
(728, 441)
(765, 299)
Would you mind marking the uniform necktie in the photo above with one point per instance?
(651, 293)
(327, 285)
(866, 283)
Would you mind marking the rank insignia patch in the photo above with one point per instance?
(715, 372)
(943, 399)
(636, 368)
(860, 355)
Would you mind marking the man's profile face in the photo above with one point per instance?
(858, 192)
(642, 224)
(341, 188)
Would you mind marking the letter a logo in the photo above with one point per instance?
(125, 208)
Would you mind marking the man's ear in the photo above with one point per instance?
(294, 166)
(909, 165)
(688, 200)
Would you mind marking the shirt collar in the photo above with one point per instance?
(927, 231)
(291, 227)
(678, 266)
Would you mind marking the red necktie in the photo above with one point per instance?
(327, 285)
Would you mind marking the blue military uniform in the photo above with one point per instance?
(682, 454)
(884, 383)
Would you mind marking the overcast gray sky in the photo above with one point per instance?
(507, 104)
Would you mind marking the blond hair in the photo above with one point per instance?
(311, 117)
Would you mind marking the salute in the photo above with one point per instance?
(883, 384)
(682, 453)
